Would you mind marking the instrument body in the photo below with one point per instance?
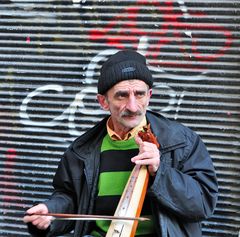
(133, 196)
(130, 203)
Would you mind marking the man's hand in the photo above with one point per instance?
(148, 155)
(41, 222)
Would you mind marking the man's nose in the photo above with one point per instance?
(132, 104)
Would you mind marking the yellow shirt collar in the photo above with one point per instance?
(130, 134)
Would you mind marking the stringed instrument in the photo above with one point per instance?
(133, 196)
(125, 220)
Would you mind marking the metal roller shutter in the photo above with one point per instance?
(50, 54)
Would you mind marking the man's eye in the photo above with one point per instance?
(121, 95)
(140, 94)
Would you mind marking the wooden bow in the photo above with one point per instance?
(133, 196)
(66, 216)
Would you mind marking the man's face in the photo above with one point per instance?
(127, 102)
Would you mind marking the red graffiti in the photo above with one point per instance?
(7, 184)
(11, 153)
(173, 30)
(28, 40)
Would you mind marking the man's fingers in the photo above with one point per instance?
(138, 140)
(42, 223)
(38, 209)
(148, 155)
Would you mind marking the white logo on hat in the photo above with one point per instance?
(128, 69)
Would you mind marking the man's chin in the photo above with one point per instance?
(132, 122)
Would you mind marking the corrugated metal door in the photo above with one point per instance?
(50, 54)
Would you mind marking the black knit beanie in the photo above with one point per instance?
(124, 65)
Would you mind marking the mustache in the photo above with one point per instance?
(127, 113)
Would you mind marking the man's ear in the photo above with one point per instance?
(102, 100)
(150, 92)
(149, 95)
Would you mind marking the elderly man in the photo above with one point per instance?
(94, 170)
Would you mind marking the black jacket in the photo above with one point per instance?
(183, 192)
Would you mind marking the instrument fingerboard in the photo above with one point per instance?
(125, 201)
(124, 204)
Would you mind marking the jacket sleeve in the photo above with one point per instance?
(188, 189)
(63, 199)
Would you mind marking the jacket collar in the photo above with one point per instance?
(168, 132)
(87, 147)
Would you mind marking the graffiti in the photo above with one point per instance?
(68, 114)
(30, 9)
(126, 29)
(78, 102)
(169, 30)
(78, 105)
(7, 177)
